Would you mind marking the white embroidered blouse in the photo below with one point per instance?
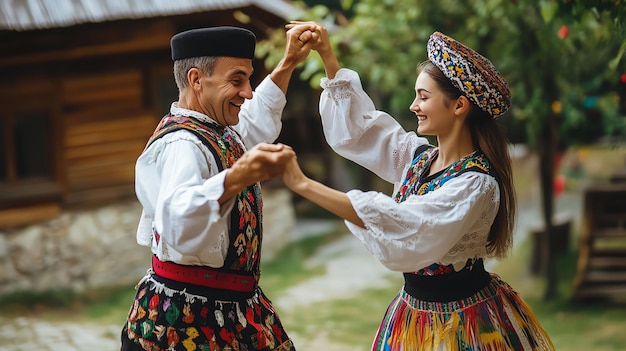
(447, 226)
(178, 183)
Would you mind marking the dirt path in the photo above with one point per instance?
(341, 259)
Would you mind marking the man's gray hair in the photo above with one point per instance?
(206, 64)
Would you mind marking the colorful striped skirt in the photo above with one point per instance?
(494, 318)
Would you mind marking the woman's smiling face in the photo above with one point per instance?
(433, 109)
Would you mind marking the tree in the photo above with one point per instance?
(562, 59)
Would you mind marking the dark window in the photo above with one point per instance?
(166, 93)
(32, 144)
(3, 151)
(27, 159)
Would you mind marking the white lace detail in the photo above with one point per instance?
(474, 243)
(159, 288)
(326, 83)
(179, 111)
(495, 198)
(400, 155)
(471, 245)
(340, 93)
(339, 88)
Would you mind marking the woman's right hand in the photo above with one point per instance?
(293, 177)
(320, 42)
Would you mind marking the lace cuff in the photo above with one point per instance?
(342, 78)
(345, 85)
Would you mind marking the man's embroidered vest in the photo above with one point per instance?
(245, 232)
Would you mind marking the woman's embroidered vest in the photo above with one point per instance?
(245, 235)
(418, 182)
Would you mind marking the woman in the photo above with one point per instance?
(453, 204)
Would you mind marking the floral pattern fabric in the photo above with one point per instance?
(162, 319)
(417, 182)
(246, 215)
(189, 317)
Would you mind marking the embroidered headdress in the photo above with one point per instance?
(471, 73)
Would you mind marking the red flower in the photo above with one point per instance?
(442, 270)
(563, 32)
(227, 336)
(154, 302)
(208, 332)
(172, 337)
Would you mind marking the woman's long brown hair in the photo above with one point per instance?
(489, 137)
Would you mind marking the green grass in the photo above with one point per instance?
(106, 305)
(349, 321)
(288, 266)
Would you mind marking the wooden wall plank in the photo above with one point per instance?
(124, 85)
(109, 131)
(25, 215)
(101, 195)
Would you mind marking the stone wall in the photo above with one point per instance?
(85, 249)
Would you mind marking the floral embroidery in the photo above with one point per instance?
(233, 325)
(162, 318)
(417, 182)
(470, 72)
(247, 212)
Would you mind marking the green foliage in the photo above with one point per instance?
(550, 76)
(573, 10)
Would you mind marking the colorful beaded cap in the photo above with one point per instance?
(471, 72)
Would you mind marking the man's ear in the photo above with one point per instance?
(193, 78)
(462, 105)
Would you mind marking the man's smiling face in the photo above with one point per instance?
(226, 89)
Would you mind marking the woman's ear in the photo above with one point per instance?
(462, 105)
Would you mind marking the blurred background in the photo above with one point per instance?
(83, 83)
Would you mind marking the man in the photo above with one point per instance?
(200, 191)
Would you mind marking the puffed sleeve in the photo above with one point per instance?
(419, 231)
(260, 117)
(182, 193)
(357, 131)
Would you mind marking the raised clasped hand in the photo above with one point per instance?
(314, 33)
(300, 40)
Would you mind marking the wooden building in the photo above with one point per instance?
(83, 84)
